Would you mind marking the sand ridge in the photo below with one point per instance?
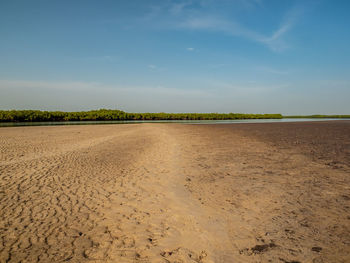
(167, 193)
(112, 199)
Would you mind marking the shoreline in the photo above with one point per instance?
(64, 123)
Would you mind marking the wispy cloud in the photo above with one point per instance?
(94, 86)
(29, 84)
(51, 95)
(102, 58)
(249, 4)
(218, 65)
(217, 24)
(177, 8)
(155, 68)
(275, 40)
(190, 49)
(248, 88)
(201, 15)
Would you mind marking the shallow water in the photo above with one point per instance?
(53, 123)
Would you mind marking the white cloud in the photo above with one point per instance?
(156, 68)
(275, 40)
(190, 49)
(273, 70)
(217, 24)
(208, 15)
(177, 8)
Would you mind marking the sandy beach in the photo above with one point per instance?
(269, 192)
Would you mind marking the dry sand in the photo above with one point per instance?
(276, 192)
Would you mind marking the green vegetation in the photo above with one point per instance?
(319, 116)
(108, 115)
(118, 115)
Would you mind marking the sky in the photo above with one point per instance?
(248, 56)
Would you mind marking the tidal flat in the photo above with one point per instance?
(168, 192)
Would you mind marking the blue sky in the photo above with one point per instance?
(252, 56)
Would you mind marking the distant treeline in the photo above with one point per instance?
(318, 116)
(109, 115)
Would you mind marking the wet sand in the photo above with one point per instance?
(274, 192)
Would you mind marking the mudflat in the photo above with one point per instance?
(274, 192)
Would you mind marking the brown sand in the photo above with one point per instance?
(276, 192)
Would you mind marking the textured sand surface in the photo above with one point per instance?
(176, 193)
